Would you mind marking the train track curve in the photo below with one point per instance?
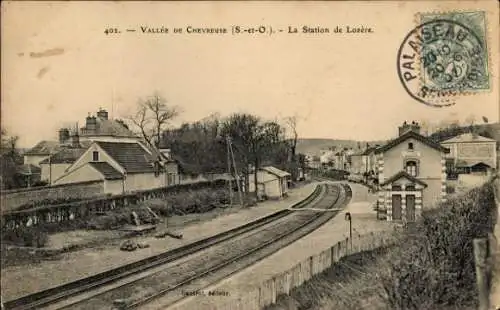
(142, 282)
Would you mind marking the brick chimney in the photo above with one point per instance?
(75, 140)
(103, 114)
(63, 135)
(91, 125)
(414, 126)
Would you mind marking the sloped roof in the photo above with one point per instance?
(277, 172)
(29, 169)
(406, 175)
(414, 135)
(131, 156)
(44, 148)
(106, 170)
(470, 163)
(66, 155)
(108, 127)
(468, 137)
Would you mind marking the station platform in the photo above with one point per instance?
(17, 281)
(363, 221)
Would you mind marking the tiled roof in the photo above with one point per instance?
(468, 137)
(131, 156)
(277, 172)
(403, 174)
(66, 155)
(29, 169)
(44, 148)
(108, 127)
(414, 135)
(107, 170)
(470, 163)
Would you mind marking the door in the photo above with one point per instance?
(410, 208)
(396, 207)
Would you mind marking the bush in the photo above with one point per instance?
(433, 266)
(26, 236)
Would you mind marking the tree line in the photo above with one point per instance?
(10, 160)
(202, 147)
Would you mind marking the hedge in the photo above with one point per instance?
(433, 265)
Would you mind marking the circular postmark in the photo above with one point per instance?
(440, 60)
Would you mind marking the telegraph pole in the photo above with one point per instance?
(235, 171)
(228, 150)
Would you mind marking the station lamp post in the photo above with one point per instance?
(348, 217)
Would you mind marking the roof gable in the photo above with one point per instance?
(65, 156)
(275, 171)
(468, 137)
(106, 170)
(43, 148)
(414, 135)
(133, 157)
(406, 175)
(29, 169)
(108, 127)
(461, 163)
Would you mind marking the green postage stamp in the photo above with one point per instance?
(445, 56)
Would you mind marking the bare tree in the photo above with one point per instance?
(9, 160)
(291, 122)
(152, 116)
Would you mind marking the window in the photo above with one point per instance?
(171, 179)
(95, 156)
(411, 168)
(396, 188)
(410, 146)
(410, 188)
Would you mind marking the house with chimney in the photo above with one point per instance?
(100, 128)
(411, 174)
(123, 167)
(105, 150)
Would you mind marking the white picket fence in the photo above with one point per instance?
(267, 293)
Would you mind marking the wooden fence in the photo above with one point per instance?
(283, 283)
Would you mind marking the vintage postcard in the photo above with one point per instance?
(250, 155)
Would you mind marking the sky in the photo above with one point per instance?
(58, 65)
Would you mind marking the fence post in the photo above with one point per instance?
(332, 255)
(311, 265)
(480, 259)
(494, 298)
(273, 291)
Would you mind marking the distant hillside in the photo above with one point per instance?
(314, 146)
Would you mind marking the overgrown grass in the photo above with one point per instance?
(431, 266)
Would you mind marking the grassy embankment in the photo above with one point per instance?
(431, 266)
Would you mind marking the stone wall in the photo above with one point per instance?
(12, 199)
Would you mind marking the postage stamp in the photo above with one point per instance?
(444, 57)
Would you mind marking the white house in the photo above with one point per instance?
(122, 166)
(272, 182)
(42, 150)
(412, 174)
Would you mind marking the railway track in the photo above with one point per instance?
(148, 279)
